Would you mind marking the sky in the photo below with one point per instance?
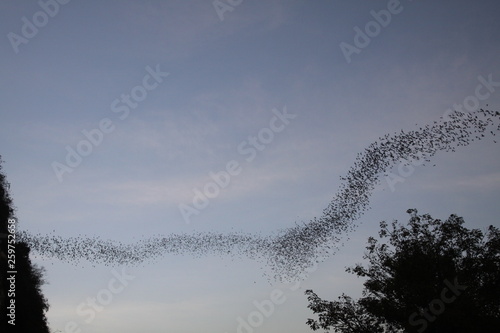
(115, 114)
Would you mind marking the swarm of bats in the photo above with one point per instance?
(291, 251)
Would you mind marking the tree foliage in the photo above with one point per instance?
(431, 275)
(344, 315)
(6, 207)
(30, 304)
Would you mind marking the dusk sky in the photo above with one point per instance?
(116, 114)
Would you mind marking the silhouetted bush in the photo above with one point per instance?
(30, 304)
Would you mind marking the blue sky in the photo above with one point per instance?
(225, 79)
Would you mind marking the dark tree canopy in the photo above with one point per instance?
(6, 207)
(431, 275)
(30, 304)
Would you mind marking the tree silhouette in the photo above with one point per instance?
(345, 315)
(30, 304)
(432, 276)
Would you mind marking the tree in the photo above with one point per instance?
(30, 304)
(432, 276)
(345, 315)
